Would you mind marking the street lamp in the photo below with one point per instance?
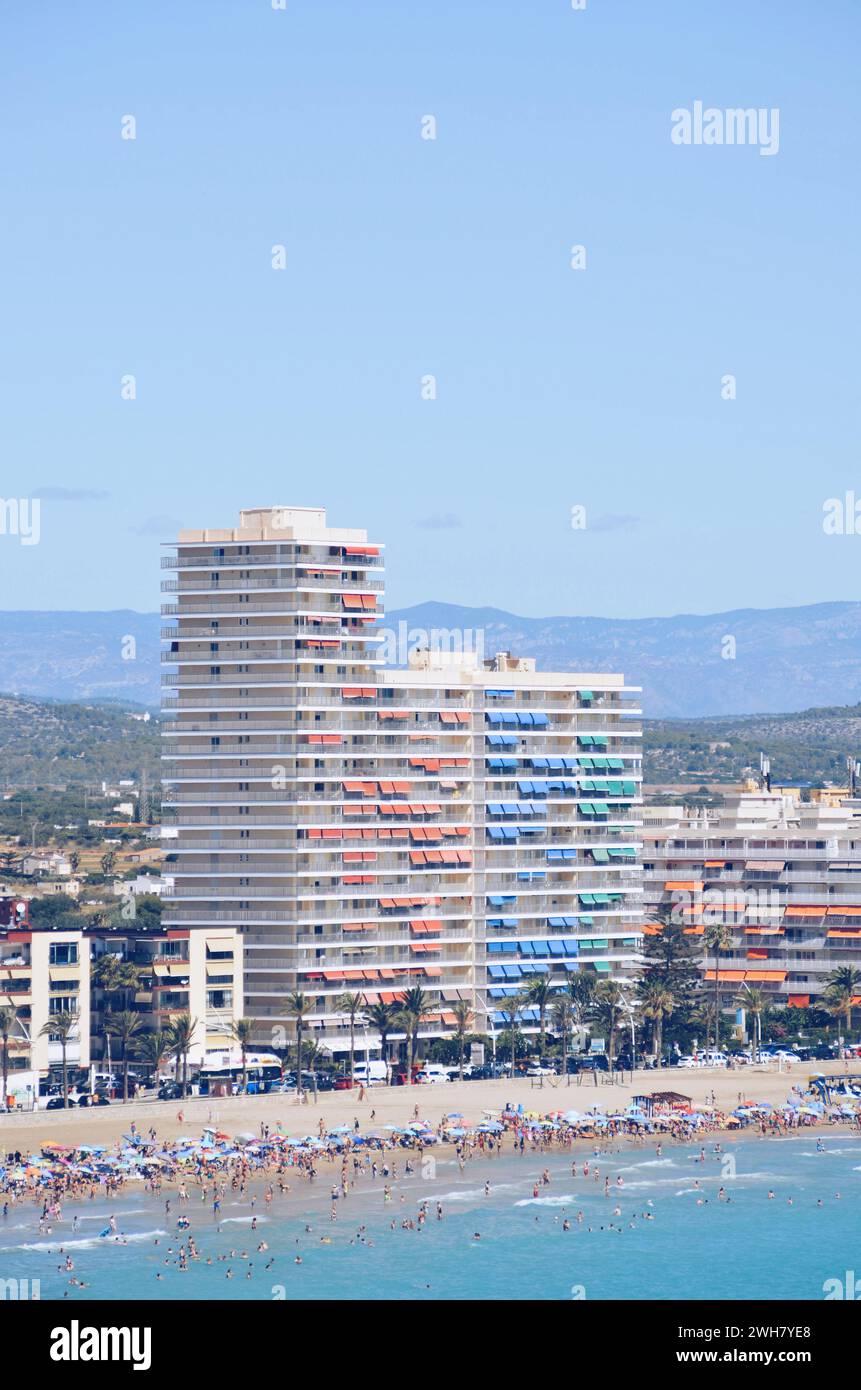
(629, 1009)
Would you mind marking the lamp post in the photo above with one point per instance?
(629, 1009)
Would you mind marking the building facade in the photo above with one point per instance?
(42, 972)
(783, 876)
(456, 824)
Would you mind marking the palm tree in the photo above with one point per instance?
(413, 1006)
(580, 989)
(298, 1006)
(609, 1007)
(314, 1054)
(181, 1033)
(116, 979)
(841, 989)
(718, 940)
(107, 862)
(561, 1016)
(125, 1026)
(462, 1012)
(61, 1026)
(512, 1013)
(8, 1016)
(539, 992)
(382, 1017)
(756, 1003)
(656, 1002)
(351, 1005)
(153, 1048)
(241, 1030)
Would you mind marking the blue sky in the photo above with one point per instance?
(450, 257)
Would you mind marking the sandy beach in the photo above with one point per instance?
(396, 1104)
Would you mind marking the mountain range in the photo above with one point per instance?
(749, 661)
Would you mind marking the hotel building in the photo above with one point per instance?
(784, 877)
(458, 824)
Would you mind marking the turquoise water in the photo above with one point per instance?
(695, 1246)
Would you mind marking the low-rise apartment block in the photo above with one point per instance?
(782, 875)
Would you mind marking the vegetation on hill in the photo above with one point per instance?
(811, 746)
(49, 743)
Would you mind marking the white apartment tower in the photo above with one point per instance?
(457, 824)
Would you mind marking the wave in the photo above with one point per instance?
(569, 1200)
(472, 1194)
(53, 1247)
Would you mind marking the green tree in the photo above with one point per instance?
(718, 940)
(413, 1006)
(580, 990)
(181, 1033)
(462, 1011)
(382, 1017)
(8, 1017)
(351, 1004)
(539, 993)
(241, 1031)
(61, 1026)
(153, 1048)
(754, 1002)
(609, 1008)
(561, 1017)
(298, 1007)
(125, 1026)
(842, 987)
(657, 1002)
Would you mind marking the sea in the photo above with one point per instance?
(662, 1232)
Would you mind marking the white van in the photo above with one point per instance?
(370, 1073)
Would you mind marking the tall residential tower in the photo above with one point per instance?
(456, 824)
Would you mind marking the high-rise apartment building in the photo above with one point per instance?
(457, 824)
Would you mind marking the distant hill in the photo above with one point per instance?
(809, 746)
(786, 659)
(81, 656)
(49, 743)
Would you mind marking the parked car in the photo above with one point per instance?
(431, 1075)
(343, 1083)
(540, 1069)
(596, 1061)
(170, 1090)
(56, 1102)
(92, 1099)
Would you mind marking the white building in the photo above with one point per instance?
(459, 825)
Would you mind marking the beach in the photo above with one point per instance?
(396, 1104)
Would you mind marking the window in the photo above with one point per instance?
(63, 953)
